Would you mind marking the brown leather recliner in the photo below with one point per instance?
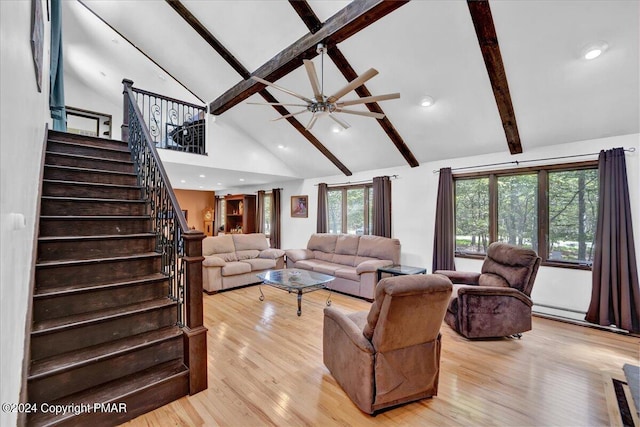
(391, 354)
(496, 302)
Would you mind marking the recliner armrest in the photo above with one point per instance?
(460, 277)
(296, 255)
(494, 291)
(350, 329)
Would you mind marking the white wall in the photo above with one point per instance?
(414, 195)
(23, 113)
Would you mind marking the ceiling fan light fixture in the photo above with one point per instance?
(427, 101)
(594, 50)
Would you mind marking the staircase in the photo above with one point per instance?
(103, 336)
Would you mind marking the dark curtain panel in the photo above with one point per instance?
(322, 225)
(381, 206)
(217, 216)
(275, 218)
(615, 295)
(260, 212)
(444, 232)
(56, 97)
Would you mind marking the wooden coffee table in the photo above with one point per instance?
(294, 280)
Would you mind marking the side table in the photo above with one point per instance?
(400, 270)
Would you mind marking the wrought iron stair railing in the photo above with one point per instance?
(181, 248)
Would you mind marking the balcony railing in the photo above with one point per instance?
(173, 124)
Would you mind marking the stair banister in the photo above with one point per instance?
(183, 262)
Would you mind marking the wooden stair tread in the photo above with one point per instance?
(78, 142)
(114, 391)
(92, 199)
(67, 361)
(70, 262)
(92, 184)
(73, 289)
(85, 157)
(77, 169)
(77, 320)
(50, 239)
(94, 217)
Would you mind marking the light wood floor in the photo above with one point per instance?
(265, 369)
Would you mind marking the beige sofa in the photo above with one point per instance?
(353, 260)
(233, 260)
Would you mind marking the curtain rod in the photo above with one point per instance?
(357, 182)
(517, 162)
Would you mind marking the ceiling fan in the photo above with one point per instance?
(322, 105)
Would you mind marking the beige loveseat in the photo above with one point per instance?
(233, 260)
(353, 260)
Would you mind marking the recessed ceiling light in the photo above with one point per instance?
(427, 101)
(103, 74)
(241, 179)
(336, 129)
(115, 41)
(594, 50)
(202, 176)
(161, 77)
(282, 147)
(183, 181)
(218, 183)
(201, 186)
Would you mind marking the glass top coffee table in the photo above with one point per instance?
(294, 280)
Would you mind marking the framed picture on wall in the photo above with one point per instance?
(299, 206)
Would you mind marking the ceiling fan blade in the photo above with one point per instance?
(312, 122)
(313, 78)
(289, 115)
(357, 82)
(277, 103)
(368, 99)
(340, 122)
(297, 95)
(362, 113)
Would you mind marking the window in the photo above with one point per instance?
(266, 214)
(551, 209)
(350, 209)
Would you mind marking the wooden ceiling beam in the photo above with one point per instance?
(356, 16)
(236, 65)
(312, 22)
(488, 40)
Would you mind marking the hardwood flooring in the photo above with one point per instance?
(265, 369)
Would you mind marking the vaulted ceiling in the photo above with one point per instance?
(504, 75)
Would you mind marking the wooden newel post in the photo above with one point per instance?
(124, 129)
(195, 334)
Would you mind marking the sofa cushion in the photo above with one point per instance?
(236, 267)
(343, 259)
(347, 244)
(217, 245)
(360, 259)
(379, 247)
(228, 256)
(347, 273)
(313, 264)
(327, 268)
(250, 241)
(247, 254)
(324, 256)
(323, 242)
(271, 253)
(258, 264)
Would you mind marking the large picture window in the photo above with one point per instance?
(350, 209)
(551, 209)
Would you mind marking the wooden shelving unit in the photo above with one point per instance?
(240, 215)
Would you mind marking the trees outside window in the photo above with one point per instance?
(266, 214)
(350, 209)
(551, 209)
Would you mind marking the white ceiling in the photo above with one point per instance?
(422, 48)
